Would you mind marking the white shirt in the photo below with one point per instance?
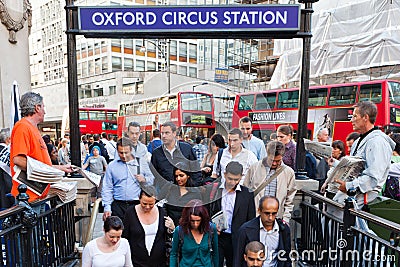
(270, 239)
(93, 257)
(228, 204)
(150, 232)
(244, 157)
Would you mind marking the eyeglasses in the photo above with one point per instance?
(245, 129)
(277, 161)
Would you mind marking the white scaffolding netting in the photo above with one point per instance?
(347, 36)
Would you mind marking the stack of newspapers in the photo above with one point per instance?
(66, 191)
(40, 172)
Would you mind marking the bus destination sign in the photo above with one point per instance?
(190, 18)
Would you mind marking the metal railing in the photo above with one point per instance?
(338, 235)
(31, 239)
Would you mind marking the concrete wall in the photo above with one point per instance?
(14, 61)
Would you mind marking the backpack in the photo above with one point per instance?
(181, 236)
(392, 189)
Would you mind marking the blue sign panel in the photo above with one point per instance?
(221, 75)
(190, 18)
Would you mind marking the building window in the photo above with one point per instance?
(98, 92)
(193, 72)
(182, 70)
(129, 89)
(139, 88)
(140, 65)
(192, 51)
(112, 90)
(128, 64)
(116, 63)
(104, 64)
(151, 66)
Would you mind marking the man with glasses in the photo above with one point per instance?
(251, 142)
(271, 177)
(269, 230)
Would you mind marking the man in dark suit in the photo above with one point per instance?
(237, 204)
(266, 228)
(166, 156)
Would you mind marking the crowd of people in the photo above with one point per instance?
(222, 203)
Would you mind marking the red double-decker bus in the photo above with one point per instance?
(192, 112)
(329, 106)
(98, 120)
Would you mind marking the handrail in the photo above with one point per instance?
(322, 198)
(92, 223)
(392, 226)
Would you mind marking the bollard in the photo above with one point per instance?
(348, 222)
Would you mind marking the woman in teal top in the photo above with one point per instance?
(195, 241)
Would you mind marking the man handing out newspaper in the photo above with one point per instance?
(375, 148)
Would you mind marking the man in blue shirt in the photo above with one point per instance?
(123, 180)
(156, 142)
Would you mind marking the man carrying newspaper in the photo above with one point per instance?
(375, 148)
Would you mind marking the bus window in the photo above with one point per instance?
(246, 102)
(196, 102)
(111, 116)
(265, 101)
(151, 105)
(343, 95)
(394, 91)
(97, 115)
(173, 103)
(288, 99)
(371, 92)
(129, 109)
(162, 104)
(83, 115)
(317, 97)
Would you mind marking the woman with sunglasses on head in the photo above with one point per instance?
(178, 194)
(146, 227)
(284, 134)
(195, 241)
(109, 250)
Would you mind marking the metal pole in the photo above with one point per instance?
(73, 85)
(305, 84)
(168, 60)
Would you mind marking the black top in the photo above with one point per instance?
(134, 232)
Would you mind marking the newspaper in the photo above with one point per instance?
(66, 191)
(347, 170)
(92, 177)
(321, 150)
(20, 177)
(220, 221)
(40, 172)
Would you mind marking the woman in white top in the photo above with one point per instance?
(109, 250)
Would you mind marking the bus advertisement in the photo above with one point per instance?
(192, 112)
(329, 106)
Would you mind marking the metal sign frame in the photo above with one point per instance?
(304, 32)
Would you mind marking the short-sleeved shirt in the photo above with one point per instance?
(97, 165)
(26, 140)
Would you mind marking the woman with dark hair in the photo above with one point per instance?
(109, 250)
(218, 140)
(53, 153)
(284, 134)
(195, 241)
(338, 152)
(146, 227)
(179, 193)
